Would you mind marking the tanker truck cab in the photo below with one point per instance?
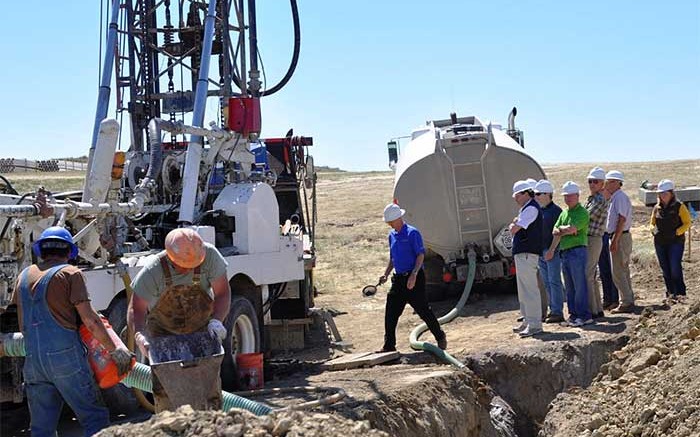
(454, 178)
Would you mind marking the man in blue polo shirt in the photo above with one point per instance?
(408, 283)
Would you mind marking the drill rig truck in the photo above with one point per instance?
(165, 63)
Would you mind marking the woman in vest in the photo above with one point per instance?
(670, 220)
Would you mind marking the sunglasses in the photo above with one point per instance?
(594, 181)
(540, 194)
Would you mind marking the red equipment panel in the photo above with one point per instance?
(244, 115)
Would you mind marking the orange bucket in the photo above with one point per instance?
(250, 370)
(101, 363)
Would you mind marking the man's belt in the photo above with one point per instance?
(572, 248)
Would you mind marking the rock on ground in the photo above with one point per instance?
(240, 423)
(650, 388)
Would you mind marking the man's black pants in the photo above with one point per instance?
(396, 301)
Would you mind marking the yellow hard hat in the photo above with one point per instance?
(185, 248)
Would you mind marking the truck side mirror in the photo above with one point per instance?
(393, 149)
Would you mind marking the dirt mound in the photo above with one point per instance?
(240, 423)
(650, 387)
(441, 403)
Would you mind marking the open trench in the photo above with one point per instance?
(504, 393)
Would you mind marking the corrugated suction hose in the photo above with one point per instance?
(447, 318)
(12, 345)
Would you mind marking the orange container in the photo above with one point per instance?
(250, 370)
(102, 365)
(118, 165)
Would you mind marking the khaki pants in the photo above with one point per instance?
(621, 269)
(544, 299)
(528, 291)
(595, 245)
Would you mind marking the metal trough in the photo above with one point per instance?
(178, 360)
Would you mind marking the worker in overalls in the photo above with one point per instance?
(182, 290)
(52, 300)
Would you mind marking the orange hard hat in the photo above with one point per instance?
(185, 248)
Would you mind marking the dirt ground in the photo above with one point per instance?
(417, 396)
(234, 423)
(353, 252)
(650, 388)
(552, 384)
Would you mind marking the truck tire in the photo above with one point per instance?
(119, 399)
(117, 316)
(243, 336)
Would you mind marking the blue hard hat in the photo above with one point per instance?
(59, 234)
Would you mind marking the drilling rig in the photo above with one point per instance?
(154, 166)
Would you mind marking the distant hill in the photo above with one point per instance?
(326, 169)
(75, 159)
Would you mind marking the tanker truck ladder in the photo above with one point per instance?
(470, 197)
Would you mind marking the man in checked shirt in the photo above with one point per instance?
(597, 208)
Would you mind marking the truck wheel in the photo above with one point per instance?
(243, 336)
(119, 399)
(117, 316)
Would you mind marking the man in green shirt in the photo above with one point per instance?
(571, 235)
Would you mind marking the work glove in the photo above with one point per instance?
(142, 343)
(122, 357)
(217, 330)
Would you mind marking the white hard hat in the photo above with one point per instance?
(532, 182)
(570, 187)
(596, 173)
(544, 186)
(665, 185)
(615, 175)
(521, 186)
(392, 212)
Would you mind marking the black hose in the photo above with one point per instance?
(274, 297)
(295, 54)
(7, 223)
(156, 149)
(253, 39)
(10, 188)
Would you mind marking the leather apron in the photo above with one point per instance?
(181, 309)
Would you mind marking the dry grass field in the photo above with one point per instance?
(58, 182)
(352, 239)
(352, 246)
(352, 252)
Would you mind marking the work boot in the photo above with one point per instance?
(610, 305)
(554, 318)
(442, 342)
(623, 308)
(577, 323)
(529, 332)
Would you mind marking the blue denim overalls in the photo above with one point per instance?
(56, 367)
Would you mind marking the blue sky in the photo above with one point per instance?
(593, 81)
